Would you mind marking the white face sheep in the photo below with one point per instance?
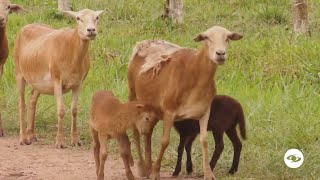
(5, 8)
(179, 82)
(53, 62)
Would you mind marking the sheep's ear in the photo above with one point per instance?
(15, 8)
(98, 13)
(200, 37)
(235, 36)
(70, 14)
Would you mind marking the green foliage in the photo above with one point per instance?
(274, 74)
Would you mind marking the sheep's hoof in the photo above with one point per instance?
(60, 144)
(76, 143)
(31, 137)
(75, 140)
(24, 141)
(209, 176)
(142, 171)
(155, 176)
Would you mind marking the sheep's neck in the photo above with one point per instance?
(3, 36)
(81, 47)
(206, 66)
(3, 44)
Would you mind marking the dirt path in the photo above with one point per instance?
(43, 162)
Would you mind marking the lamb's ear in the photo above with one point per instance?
(71, 14)
(234, 36)
(98, 13)
(200, 37)
(15, 8)
(139, 106)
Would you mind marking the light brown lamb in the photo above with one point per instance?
(109, 118)
(180, 85)
(53, 62)
(5, 8)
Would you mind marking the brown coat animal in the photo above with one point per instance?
(5, 8)
(109, 118)
(53, 62)
(179, 82)
(226, 113)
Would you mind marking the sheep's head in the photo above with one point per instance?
(147, 118)
(216, 41)
(5, 8)
(87, 22)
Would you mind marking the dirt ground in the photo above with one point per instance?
(43, 162)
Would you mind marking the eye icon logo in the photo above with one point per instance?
(293, 158)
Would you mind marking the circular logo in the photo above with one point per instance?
(293, 158)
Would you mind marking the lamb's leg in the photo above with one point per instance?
(167, 125)
(1, 128)
(218, 138)
(21, 83)
(102, 156)
(141, 163)
(148, 147)
(96, 148)
(237, 146)
(60, 111)
(31, 137)
(177, 169)
(125, 151)
(188, 145)
(75, 140)
(203, 122)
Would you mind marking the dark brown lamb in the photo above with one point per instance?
(226, 113)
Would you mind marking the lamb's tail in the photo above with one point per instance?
(242, 124)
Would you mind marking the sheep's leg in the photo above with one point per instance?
(218, 138)
(188, 145)
(102, 156)
(125, 151)
(237, 146)
(21, 83)
(31, 137)
(141, 163)
(148, 147)
(96, 148)
(177, 169)
(60, 111)
(1, 128)
(75, 140)
(203, 122)
(167, 125)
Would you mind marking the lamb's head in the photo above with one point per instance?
(87, 22)
(216, 41)
(147, 118)
(5, 8)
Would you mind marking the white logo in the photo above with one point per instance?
(293, 158)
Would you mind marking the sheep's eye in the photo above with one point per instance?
(147, 118)
(8, 7)
(97, 18)
(78, 18)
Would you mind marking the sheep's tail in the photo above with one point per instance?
(242, 124)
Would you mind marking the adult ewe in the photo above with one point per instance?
(179, 82)
(5, 8)
(53, 62)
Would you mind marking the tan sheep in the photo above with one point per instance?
(109, 118)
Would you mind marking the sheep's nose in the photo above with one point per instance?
(91, 30)
(221, 53)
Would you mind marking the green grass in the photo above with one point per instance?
(274, 74)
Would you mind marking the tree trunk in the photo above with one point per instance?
(174, 10)
(300, 16)
(63, 5)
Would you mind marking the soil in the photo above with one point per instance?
(40, 161)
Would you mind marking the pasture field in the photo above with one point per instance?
(273, 73)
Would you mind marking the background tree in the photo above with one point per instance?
(174, 10)
(64, 5)
(300, 16)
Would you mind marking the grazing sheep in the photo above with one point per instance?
(5, 8)
(53, 62)
(109, 118)
(226, 113)
(179, 82)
